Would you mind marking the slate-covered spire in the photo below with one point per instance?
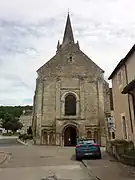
(68, 34)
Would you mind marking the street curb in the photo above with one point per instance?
(84, 162)
(21, 142)
(5, 157)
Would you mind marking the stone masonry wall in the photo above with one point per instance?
(60, 75)
(49, 102)
(91, 102)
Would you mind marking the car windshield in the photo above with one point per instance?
(86, 142)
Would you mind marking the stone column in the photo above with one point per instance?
(42, 105)
(57, 139)
(78, 107)
(92, 134)
(54, 138)
(61, 140)
(47, 138)
(62, 107)
(58, 110)
(101, 116)
(38, 110)
(82, 103)
(41, 138)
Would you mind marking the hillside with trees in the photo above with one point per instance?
(9, 116)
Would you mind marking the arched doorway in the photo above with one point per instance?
(70, 136)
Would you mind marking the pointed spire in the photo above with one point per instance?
(68, 34)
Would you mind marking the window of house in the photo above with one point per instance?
(120, 78)
(124, 127)
(70, 105)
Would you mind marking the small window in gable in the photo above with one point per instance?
(120, 78)
(70, 58)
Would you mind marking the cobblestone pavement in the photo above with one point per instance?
(109, 169)
(36, 162)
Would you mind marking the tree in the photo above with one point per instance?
(16, 111)
(5, 121)
(9, 116)
(11, 123)
(1, 114)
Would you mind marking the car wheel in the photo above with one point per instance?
(99, 156)
(78, 158)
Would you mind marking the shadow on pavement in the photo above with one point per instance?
(73, 158)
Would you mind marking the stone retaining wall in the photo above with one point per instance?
(119, 150)
(128, 160)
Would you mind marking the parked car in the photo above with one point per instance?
(87, 148)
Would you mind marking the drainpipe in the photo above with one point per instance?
(128, 100)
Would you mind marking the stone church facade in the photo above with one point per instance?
(71, 98)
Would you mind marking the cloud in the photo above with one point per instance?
(30, 30)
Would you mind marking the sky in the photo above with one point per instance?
(30, 30)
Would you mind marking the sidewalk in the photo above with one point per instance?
(8, 137)
(108, 168)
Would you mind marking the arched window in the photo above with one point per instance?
(89, 134)
(70, 105)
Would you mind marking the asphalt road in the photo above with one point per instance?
(8, 141)
(41, 162)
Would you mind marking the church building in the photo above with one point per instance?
(71, 99)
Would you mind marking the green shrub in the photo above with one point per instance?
(122, 145)
(7, 134)
(121, 142)
(25, 137)
(30, 136)
(20, 136)
(131, 153)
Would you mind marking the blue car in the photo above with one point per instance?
(87, 148)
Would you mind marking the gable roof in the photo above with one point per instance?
(122, 62)
(68, 39)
